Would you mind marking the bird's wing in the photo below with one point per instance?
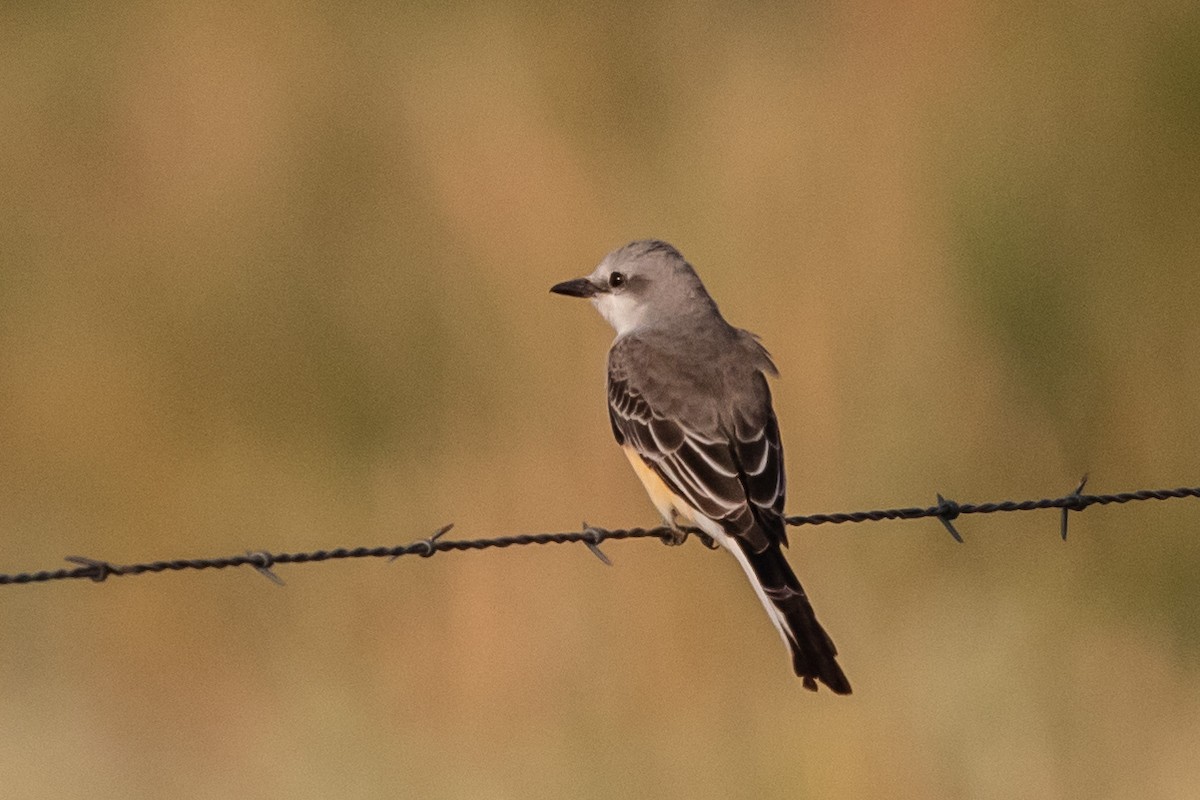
(728, 466)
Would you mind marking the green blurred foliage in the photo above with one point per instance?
(275, 277)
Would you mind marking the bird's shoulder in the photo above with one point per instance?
(669, 369)
(698, 352)
(666, 375)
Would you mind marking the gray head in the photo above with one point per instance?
(644, 284)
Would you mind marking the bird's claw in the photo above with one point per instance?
(679, 534)
(675, 537)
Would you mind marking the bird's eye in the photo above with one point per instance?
(616, 279)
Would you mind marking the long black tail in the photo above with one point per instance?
(813, 655)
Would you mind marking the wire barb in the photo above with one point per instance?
(97, 570)
(424, 547)
(431, 542)
(946, 511)
(592, 538)
(262, 561)
(1078, 495)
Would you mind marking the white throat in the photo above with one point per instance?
(620, 311)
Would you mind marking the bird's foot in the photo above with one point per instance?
(704, 538)
(680, 533)
(675, 537)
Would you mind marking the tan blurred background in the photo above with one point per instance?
(276, 277)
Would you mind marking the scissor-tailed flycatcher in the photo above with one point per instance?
(690, 406)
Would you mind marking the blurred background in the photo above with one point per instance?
(275, 277)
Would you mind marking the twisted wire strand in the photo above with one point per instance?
(946, 511)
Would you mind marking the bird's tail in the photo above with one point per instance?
(813, 655)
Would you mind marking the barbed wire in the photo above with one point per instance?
(946, 511)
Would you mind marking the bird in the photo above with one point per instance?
(690, 406)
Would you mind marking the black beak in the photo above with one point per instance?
(580, 287)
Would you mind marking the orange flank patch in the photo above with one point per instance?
(665, 500)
